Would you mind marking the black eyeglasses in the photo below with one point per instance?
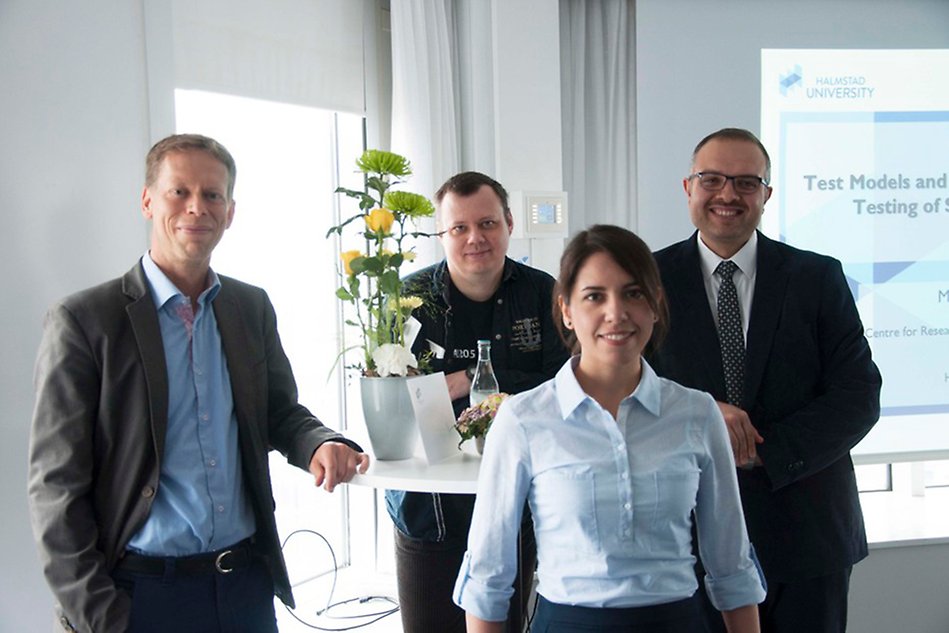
(713, 181)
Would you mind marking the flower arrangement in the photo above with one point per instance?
(371, 280)
(475, 421)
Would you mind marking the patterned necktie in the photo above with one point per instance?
(730, 333)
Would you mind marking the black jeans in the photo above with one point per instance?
(426, 573)
(241, 601)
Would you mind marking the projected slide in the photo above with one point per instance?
(859, 142)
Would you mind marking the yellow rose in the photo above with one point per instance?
(348, 257)
(409, 256)
(379, 220)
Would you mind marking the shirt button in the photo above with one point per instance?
(624, 476)
(205, 417)
(220, 508)
(212, 462)
(627, 505)
(497, 337)
(500, 301)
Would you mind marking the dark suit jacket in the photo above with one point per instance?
(99, 432)
(811, 389)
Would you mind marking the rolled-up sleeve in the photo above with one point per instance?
(485, 581)
(733, 577)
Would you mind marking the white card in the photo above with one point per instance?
(410, 330)
(436, 418)
(437, 350)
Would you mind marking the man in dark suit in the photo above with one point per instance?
(158, 397)
(776, 338)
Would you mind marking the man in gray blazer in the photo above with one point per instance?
(158, 397)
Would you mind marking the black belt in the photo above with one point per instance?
(223, 561)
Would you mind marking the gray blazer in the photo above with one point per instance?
(99, 431)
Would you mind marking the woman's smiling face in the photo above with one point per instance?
(609, 314)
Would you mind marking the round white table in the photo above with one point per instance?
(457, 475)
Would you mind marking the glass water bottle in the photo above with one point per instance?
(483, 383)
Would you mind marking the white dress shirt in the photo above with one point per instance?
(611, 500)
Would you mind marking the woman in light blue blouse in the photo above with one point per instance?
(613, 461)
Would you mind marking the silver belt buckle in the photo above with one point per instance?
(217, 562)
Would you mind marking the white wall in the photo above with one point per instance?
(527, 133)
(527, 94)
(901, 590)
(73, 120)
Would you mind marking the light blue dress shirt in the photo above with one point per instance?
(200, 505)
(611, 500)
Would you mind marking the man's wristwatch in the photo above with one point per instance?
(470, 371)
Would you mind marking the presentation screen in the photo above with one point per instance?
(859, 142)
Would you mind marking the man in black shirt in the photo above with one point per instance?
(476, 292)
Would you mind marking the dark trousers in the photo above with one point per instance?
(426, 573)
(683, 616)
(815, 605)
(241, 601)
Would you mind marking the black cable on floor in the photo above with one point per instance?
(376, 615)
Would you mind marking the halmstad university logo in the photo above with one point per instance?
(790, 80)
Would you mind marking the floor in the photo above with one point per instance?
(365, 613)
(356, 616)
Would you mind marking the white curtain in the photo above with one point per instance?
(424, 97)
(597, 56)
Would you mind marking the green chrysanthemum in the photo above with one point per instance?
(377, 161)
(407, 203)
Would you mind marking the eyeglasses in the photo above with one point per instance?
(712, 181)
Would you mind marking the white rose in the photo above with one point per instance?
(393, 360)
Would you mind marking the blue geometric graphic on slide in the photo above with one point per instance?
(870, 189)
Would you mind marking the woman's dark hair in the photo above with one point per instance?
(631, 254)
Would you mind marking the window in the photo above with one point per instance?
(874, 477)
(288, 160)
(937, 474)
(904, 502)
